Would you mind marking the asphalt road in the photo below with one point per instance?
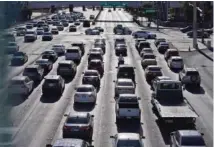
(38, 120)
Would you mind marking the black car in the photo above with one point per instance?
(121, 49)
(163, 47)
(143, 44)
(91, 77)
(72, 28)
(47, 36)
(95, 55)
(65, 23)
(126, 71)
(66, 68)
(34, 72)
(19, 58)
(96, 65)
(81, 45)
(53, 84)
(45, 64)
(50, 55)
(159, 40)
(186, 29)
(99, 28)
(86, 23)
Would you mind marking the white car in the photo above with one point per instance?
(59, 48)
(22, 85)
(74, 53)
(85, 94)
(123, 86)
(175, 62)
(96, 49)
(127, 140)
(144, 34)
(92, 32)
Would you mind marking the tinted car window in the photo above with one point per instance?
(50, 81)
(126, 69)
(84, 89)
(128, 143)
(192, 73)
(64, 66)
(72, 51)
(77, 120)
(30, 70)
(192, 141)
(90, 74)
(125, 84)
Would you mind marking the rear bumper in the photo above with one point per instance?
(179, 121)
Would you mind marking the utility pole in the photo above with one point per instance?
(194, 26)
(202, 21)
(157, 10)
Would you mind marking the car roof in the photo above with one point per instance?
(150, 59)
(19, 78)
(148, 54)
(58, 45)
(73, 48)
(91, 71)
(163, 78)
(128, 136)
(124, 80)
(96, 52)
(68, 142)
(184, 133)
(95, 60)
(169, 81)
(161, 39)
(176, 57)
(153, 66)
(144, 42)
(163, 43)
(65, 62)
(128, 95)
(147, 49)
(172, 49)
(191, 69)
(85, 86)
(52, 77)
(32, 66)
(77, 42)
(78, 114)
(43, 59)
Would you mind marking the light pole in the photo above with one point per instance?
(202, 21)
(194, 26)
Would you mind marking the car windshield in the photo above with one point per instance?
(64, 66)
(30, 70)
(90, 74)
(30, 32)
(121, 45)
(170, 86)
(77, 120)
(72, 51)
(125, 84)
(84, 89)
(192, 141)
(48, 52)
(177, 60)
(149, 56)
(129, 143)
(47, 33)
(95, 56)
(94, 64)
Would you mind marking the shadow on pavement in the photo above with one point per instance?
(83, 107)
(130, 126)
(15, 100)
(68, 79)
(195, 90)
(49, 98)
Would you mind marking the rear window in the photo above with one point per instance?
(130, 105)
(30, 32)
(30, 70)
(126, 69)
(72, 51)
(192, 141)
(51, 81)
(64, 65)
(128, 143)
(94, 64)
(149, 56)
(90, 74)
(84, 89)
(170, 86)
(77, 120)
(177, 60)
(129, 100)
(97, 56)
(125, 84)
(192, 73)
(174, 53)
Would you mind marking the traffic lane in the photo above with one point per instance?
(204, 66)
(44, 115)
(199, 101)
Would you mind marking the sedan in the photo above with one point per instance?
(79, 125)
(85, 94)
(49, 54)
(127, 140)
(123, 86)
(40, 31)
(99, 28)
(91, 77)
(19, 58)
(152, 71)
(45, 64)
(72, 28)
(59, 49)
(54, 31)
(121, 49)
(96, 64)
(144, 34)
(162, 47)
(175, 62)
(47, 36)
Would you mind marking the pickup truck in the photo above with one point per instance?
(170, 105)
(127, 107)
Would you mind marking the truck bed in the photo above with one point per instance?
(182, 111)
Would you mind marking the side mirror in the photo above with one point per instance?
(112, 137)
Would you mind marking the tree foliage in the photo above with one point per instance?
(71, 6)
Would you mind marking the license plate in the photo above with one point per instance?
(128, 117)
(51, 84)
(75, 130)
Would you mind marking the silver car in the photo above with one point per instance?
(123, 86)
(59, 49)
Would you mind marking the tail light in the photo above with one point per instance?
(85, 128)
(65, 128)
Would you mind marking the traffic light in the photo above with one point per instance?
(71, 7)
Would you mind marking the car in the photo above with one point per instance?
(91, 77)
(76, 23)
(159, 40)
(91, 17)
(72, 28)
(34, 23)
(46, 27)
(126, 71)
(81, 45)
(199, 34)
(209, 31)
(100, 45)
(190, 76)
(86, 23)
(50, 55)
(79, 125)
(109, 10)
(85, 93)
(40, 23)
(19, 58)
(54, 31)
(74, 53)
(97, 49)
(92, 32)
(60, 27)
(71, 20)
(29, 26)
(187, 138)
(47, 36)
(121, 49)
(99, 28)
(127, 31)
(66, 68)
(148, 56)
(170, 52)
(96, 64)
(30, 35)
(119, 41)
(124, 85)
(142, 45)
(100, 40)
(59, 49)
(20, 31)
(144, 34)
(34, 72)
(49, 21)
(40, 31)
(65, 23)
(138, 40)
(152, 71)
(45, 64)
(147, 62)
(69, 142)
(145, 51)
(21, 85)
(56, 23)
(162, 47)
(127, 139)
(175, 62)
(11, 48)
(95, 55)
(157, 79)
(53, 85)
(127, 108)
(186, 29)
